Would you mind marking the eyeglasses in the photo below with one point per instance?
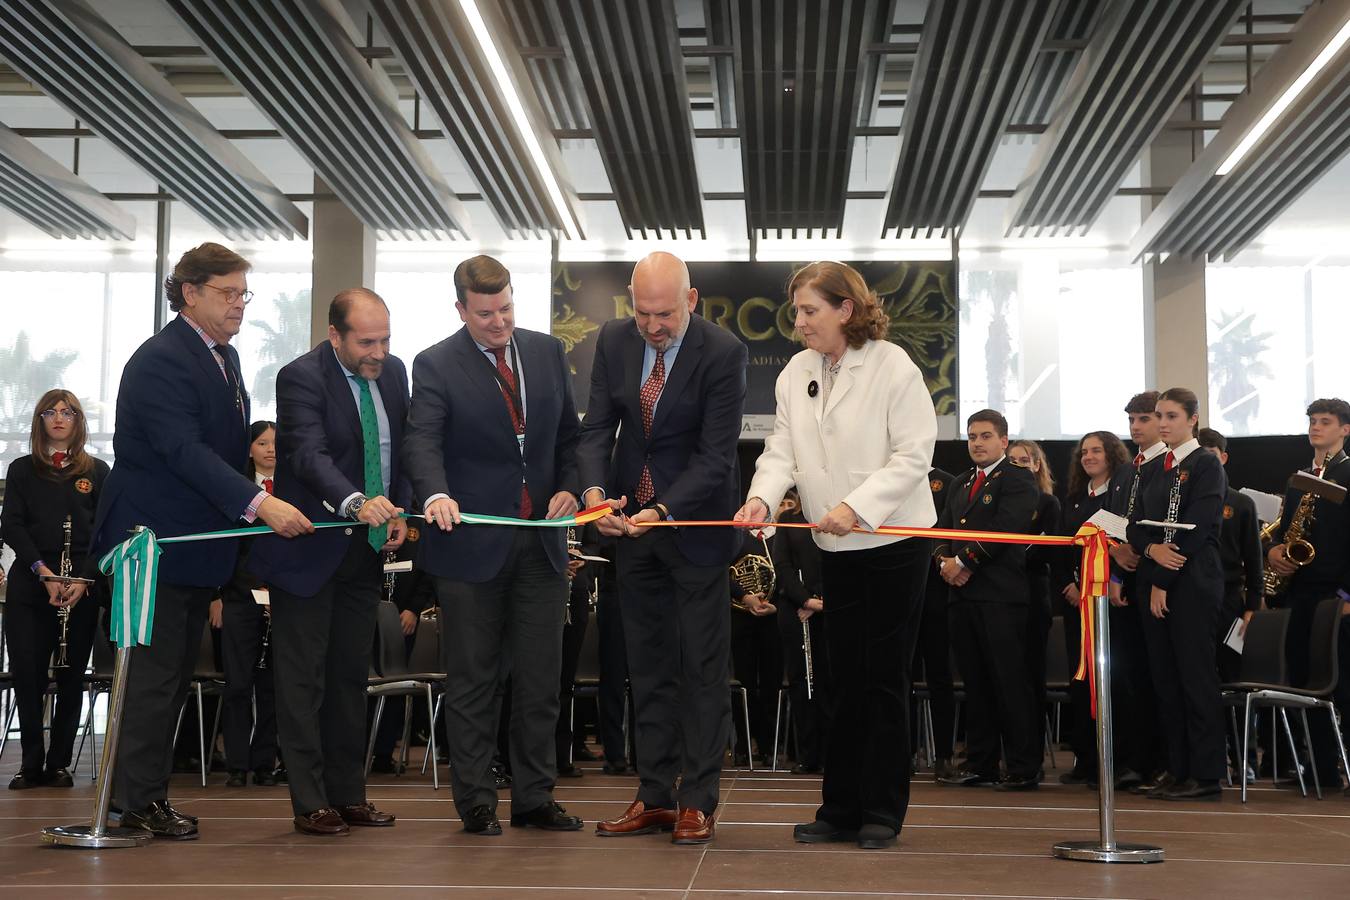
(70, 415)
(232, 295)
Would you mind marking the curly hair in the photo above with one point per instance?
(837, 282)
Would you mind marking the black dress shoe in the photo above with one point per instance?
(822, 832)
(569, 771)
(967, 778)
(500, 777)
(1191, 789)
(237, 778)
(58, 778)
(1018, 784)
(481, 820)
(550, 817)
(582, 753)
(385, 765)
(161, 820)
(945, 768)
(25, 780)
(179, 813)
(281, 776)
(1128, 779)
(1079, 776)
(616, 768)
(1159, 782)
(264, 778)
(876, 837)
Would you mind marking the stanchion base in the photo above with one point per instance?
(1093, 851)
(83, 836)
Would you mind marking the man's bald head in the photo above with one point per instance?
(662, 298)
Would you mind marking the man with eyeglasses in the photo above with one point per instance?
(181, 445)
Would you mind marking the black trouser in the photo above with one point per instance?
(1181, 658)
(990, 644)
(322, 656)
(933, 665)
(574, 635)
(1038, 634)
(757, 663)
(810, 717)
(250, 741)
(1301, 601)
(612, 695)
(1228, 660)
(1130, 657)
(158, 678)
(1133, 742)
(512, 625)
(677, 628)
(873, 601)
(32, 633)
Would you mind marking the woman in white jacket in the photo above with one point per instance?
(854, 431)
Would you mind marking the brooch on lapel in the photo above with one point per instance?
(935, 485)
(1227, 511)
(1184, 476)
(414, 535)
(84, 486)
(988, 498)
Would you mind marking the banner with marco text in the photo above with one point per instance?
(748, 299)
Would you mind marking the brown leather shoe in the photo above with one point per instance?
(638, 819)
(365, 814)
(324, 822)
(694, 827)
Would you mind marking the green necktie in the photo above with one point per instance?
(370, 440)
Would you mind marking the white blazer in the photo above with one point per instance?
(871, 447)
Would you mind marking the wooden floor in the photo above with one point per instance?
(957, 842)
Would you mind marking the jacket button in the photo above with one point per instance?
(346, 531)
(963, 521)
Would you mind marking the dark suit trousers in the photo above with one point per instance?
(933, 664)
(322, 646)
(1129, 665)
(32, 632)
(612, 698)
(677, 627)
(873, 603)
(574, 635)
(990, 644)
(1181, 658)
(510, 626)
(250, 743)
(157, 685)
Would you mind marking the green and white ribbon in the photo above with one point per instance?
(134, 567)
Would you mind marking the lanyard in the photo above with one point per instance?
(512, 393)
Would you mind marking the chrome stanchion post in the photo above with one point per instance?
(1106, 849)
(97, 835)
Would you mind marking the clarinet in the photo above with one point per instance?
(806, 654)
(261, 664)
(1173, 507)
(63, 613)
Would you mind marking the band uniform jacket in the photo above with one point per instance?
(1006, 502)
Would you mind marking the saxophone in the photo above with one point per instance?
(1297, 548)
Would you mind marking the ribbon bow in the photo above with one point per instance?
(134, 567)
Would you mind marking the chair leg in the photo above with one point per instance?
(932, 735)
(374, 730)
(85, 731)
(201, 732)
(435, 714)
(1246, 738)
(215, 725)
(777, 724)
(407, 734)
(9, 722)
(1049, 745)
(1336, 729)
(749, 746)
(431, 740)
(572, 727)
(1298, 769)
(1307, 739)
(1237, 742)
(1275, 749)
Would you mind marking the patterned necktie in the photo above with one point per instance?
(231, 378)
(975, 485)
(58, 459)
(517, 421)
(647, 397)
(370, 443)
(267, 485)
(1170, 462)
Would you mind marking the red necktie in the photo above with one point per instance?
(647, 397)
(975, 486)
(59, 458)
(1317, 470)
(267, 485)
(1138, 460)
(517, 420)
(1170, 462)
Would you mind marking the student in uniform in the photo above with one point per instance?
(933, 656)
(1181, 575)
(988, 610)
(756, 658)
(796, 562)
(59, 479)
(1029, 455)
(249, 717)
(1096, 459)
(1329, 571)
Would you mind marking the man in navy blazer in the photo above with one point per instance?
(672, 385)
(341, 410)
(492, 430)
(181, 444)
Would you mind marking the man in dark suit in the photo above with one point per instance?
(181, 446)
(989, 608)
(676, 384)
(493, 429)
(341, 410)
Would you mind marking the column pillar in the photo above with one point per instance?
(344, 256)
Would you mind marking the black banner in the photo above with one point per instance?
(748, 300)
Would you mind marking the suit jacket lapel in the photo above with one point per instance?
(478, 370)
(681, 371)
(340, 391)
(633, 349)
(848, 362)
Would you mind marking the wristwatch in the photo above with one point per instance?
(354, 505)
